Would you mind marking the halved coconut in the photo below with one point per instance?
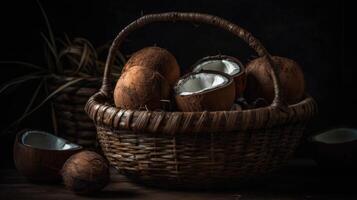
(336, 149)
(46, 141)
(225, 64)
(336, 136)
(205, 90)
(40, 155)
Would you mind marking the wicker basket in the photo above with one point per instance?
(72, 121)
(197, 149)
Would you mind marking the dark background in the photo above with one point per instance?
(310, 32)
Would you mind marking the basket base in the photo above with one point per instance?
(222, 160)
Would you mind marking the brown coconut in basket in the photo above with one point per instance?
(196, 149)
(146, 79)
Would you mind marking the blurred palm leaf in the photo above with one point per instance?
(25, 64)
(59, 89)
(53, 113)
(48, 24)
(34, 96)
(19, 80)
(75, 58)
(56, 66)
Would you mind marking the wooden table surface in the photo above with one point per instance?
(300, 179)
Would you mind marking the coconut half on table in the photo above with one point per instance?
(205, 91)
(224, 64)
(40, 155)
(336, 149)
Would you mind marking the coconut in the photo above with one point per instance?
(225, 64)
(85, 172)
(260, 84)
(205, 90)
(157, 59)
(40, 155)
(141, 87)
(336, 149)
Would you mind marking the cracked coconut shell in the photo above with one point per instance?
(141, 87)
(40, 155)
(85, 172)
(225, 64)
(205, 91)
(157, 59)
(260, 83)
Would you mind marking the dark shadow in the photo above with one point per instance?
(217, 188)
(289, 181)
(116, 193)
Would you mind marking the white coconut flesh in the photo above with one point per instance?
(43, 140)
(336, 136)
(200, 82)
(225, 66)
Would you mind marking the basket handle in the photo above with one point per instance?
(197, 18)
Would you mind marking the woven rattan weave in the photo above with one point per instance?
(197, 149)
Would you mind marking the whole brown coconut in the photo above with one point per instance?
(85, 172)
(260, 83)
(141, 87)
(157, 59)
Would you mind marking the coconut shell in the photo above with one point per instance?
(260, 83)
(40, 165)
(336, 150)
(141, 87)
(85, 172)
(157, 59)
(215, 99)
(239, 78)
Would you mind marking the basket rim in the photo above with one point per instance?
(105, 114)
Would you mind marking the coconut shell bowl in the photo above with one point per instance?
(335, 150)
(39, 155)
(227, 64)
(197, 149)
